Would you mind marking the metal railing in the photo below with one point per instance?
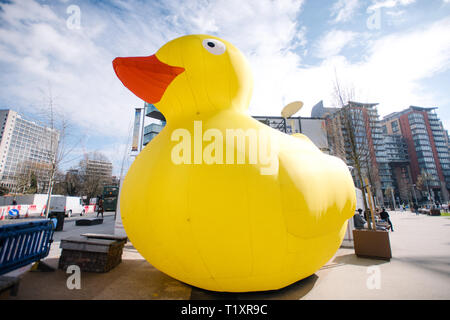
(24, 243)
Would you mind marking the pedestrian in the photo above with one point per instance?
(416, 209)
(385, 216)
(359, 220)
(100, 207)
(14, 203)
(366, 214)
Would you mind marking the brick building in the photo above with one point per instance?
(427, 144)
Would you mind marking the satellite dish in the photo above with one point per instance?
(291, 109)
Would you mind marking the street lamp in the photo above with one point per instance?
(414, 192)
(430, 196)
(393, 198)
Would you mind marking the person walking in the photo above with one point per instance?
(385, 216)
(416, 209)
(100, 207)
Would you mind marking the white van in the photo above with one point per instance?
(74, 205)
(66, 204)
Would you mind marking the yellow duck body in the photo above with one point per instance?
(226, 226)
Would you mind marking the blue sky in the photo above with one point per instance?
(394, 52)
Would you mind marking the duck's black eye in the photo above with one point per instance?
(214, 46)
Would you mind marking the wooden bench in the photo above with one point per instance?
(22, 244)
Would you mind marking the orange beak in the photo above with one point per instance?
(146, 77)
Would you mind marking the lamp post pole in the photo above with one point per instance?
(141, 144)
(429, 193)
(414, 192)
(393, 198)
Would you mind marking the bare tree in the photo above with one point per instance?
(388, 192)
(31, 177)
(61, 143)
(335, 137)
(3, 190)
(423, 183)
(26, 182)
(67, 183)
(347, 128)
(93, 178)
(404, 184)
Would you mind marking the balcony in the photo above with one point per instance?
(148, 137)
(152, 112)
(154, 128)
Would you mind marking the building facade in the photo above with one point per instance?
(313, 128)
(152, 130)
(428, 147)
(398, 159)
(101, 169)
(355, 135)
(25, 146)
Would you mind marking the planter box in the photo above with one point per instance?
(435, 212)
(90, 254)
(372, 244)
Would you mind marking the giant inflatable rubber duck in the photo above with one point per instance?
(222, 213)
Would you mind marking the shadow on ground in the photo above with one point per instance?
(145, 283)
(353, 259)
(294, 291)
(436, 264)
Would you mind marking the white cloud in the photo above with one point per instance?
(343, 10)
(333, 42)
(36, 47)
(396, 13)
(389, 4)
(391, 71)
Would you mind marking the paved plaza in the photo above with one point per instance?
(419, 269)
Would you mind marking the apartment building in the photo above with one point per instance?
(99, 168)
(355, 129)
(25, 146)
(428, 146)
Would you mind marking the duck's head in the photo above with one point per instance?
(188, 76)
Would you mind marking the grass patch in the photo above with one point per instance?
(445, 214)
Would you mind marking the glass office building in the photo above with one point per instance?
(152, 130)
